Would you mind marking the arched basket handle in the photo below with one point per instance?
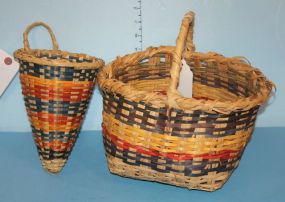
(36, 24)
(184, 42)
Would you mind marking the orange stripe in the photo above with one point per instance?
(44, 89)
(64, 92)
(55, 145)
(53, 122)
(61, 95)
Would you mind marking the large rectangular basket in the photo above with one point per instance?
(57, 87)
(151, 132)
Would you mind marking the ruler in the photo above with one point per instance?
(138, 22)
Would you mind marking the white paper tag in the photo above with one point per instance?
(186, 80)
(8, 69)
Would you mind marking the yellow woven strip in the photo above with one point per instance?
(54, 82)
(166, 143)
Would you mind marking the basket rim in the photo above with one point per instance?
(29, 56)
(109, 84)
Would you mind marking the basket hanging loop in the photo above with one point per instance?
(184, 42)
(36, 24)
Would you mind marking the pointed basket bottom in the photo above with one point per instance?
(54, 148)
(53, 166)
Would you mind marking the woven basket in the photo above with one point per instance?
(151, 132)
(57, 87)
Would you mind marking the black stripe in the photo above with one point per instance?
(57, 73)
(49, 154)
(55, 135)
(163, 123)
(52, 155)
(56, 107)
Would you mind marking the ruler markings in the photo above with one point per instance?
(138, 22)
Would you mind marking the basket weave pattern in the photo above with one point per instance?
(57, 87)
(153, 133)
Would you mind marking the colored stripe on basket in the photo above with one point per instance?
(49, 154)
(54, 135)
(56, 107)
(59, 96)
(193, 167)
(64, 89)
(73, 95)
(55, 82)
(53, 122)
(58, 73)
(226, 154)
(167, 143)
(55, 145)
(181, 123)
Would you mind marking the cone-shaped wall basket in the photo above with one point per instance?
(57, 87)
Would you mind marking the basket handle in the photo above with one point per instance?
(184, 41)
(36, 24)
